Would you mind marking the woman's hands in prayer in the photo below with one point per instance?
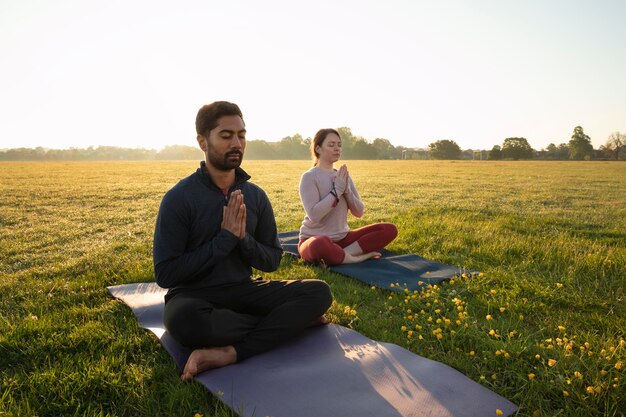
(341, 180)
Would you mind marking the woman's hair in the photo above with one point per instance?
(318, 140)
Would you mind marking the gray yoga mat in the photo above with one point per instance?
(410, 271)
(329, 371)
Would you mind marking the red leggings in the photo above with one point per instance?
(371, 238)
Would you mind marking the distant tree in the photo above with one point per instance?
(562, 151)
(444, 149)
(467, 154)
(495, 153)
(177, 152)
(293, 147)
(362, 150)
(551, 151)
(384, 149)
(580, 146)
(259, 149)
(603, 153)
(517, 148)
(615, 144)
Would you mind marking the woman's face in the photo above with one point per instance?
(330, 149)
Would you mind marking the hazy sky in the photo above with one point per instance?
(133, 73)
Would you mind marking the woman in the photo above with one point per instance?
(327, 194)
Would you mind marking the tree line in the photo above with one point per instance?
(353, 147)
(578, 148)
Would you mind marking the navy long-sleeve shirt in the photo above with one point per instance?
(191, 250)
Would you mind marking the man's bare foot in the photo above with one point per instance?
(202, 360)
(320, 321)
(353, 259)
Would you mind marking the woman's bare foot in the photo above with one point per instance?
(320, 321)
(353, 259)
(202, 360)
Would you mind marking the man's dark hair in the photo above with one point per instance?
(209, 114)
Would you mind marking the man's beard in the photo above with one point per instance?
(225, 163)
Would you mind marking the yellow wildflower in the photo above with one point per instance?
(565, 393)
(551, 362)
(559, 285)
(488, 317)
(493, 292)
(561, 328)
(618, 365)
(578, 375)
(499, 412)
(403, 328)
(531, 376)
(590, 390)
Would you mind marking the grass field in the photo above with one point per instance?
(543, 325)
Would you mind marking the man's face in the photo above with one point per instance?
(225, 145)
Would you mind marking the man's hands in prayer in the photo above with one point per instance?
(234, 218)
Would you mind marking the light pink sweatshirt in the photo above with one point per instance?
(323, 217)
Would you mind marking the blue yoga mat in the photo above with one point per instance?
(410, 271)
(330, 371)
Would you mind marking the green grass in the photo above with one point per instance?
(549, 238)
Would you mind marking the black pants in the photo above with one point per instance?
(252, 316)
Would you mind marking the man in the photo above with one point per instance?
(213, 227)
